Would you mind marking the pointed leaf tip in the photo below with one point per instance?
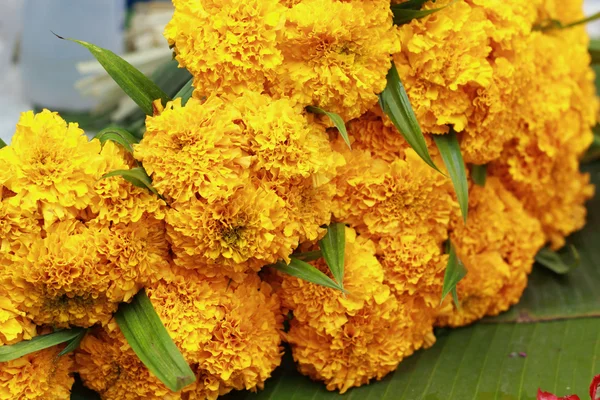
(449, 149)
(305, 271)
(333, 246)
(150, 340)
(133, 82)
(336, 119)
(119, 136)
(455, 271)
(395, 104)
(24, 347)
(556, 262)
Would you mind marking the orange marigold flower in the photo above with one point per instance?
(14, 325)
(228, 47)
(227, 331)
(51, 161)
(497, 246)
(239, 234)
(336, 54)
(327, 309)
(41, 375)
(117, 200)
(384, 198)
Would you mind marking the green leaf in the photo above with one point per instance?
(558, 355)
(479, 174)
(411, 5)
(557, 24)
(117, 135)
(450, 151)
(134, 83)
(333, 246)
(73, 343)
(455, 271)
(136, 176)
(307, 272)
(395, 104)
(2, 143)
(20, 349)
(404, 14)
(308, 256)
(593, 153)
(336, 119)
(555, 262)
(479, 362)
(185, 92)
(150, 340)
(594, 50)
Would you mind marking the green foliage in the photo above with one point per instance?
(22, 348)
(333, 246)
(185, 92)
(134, 83)
(404, 13)
(336, 119)
(119, 136)
(479, 174)
(150, 340)
(307, 272)
(308, 256)
(551, 24)
(557, 263)
(136, 176)
(450, 151)
(73, 344)
(2, 144)
(395, 104)
(455, 271)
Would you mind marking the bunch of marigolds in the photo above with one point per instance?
(246, 177)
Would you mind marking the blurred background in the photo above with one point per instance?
(38, 70)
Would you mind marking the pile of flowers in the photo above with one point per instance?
(245, 178)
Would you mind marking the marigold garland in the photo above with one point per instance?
(247, 177)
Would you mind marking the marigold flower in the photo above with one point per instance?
(77, 274)
(238, 234)
(336, 54)
(497, 246)
(51, 161)
(542, 167)
(42, 375)
(14, 325)
(228, 47)
(117, 200)
(464, 66)
(227, 331)
(384, 198)
(327, 309)
(368, 346)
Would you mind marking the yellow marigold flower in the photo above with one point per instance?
(131, 256)
(541, 167)
(368, 346)
(14, 325)
(78, 274)
(244, 232)
(42, 375)
(336, 54)
(19, 228)
(327, 309)
(464, 66)
(497, 246)
(384, 198)
(117, 200)
(227, 47)
(51, 161)
(414, 264)
(227, 331)
(195, 150)
(370, 133)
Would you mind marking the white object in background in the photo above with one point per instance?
(48, 63)
(10, 26)
(591, 7)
